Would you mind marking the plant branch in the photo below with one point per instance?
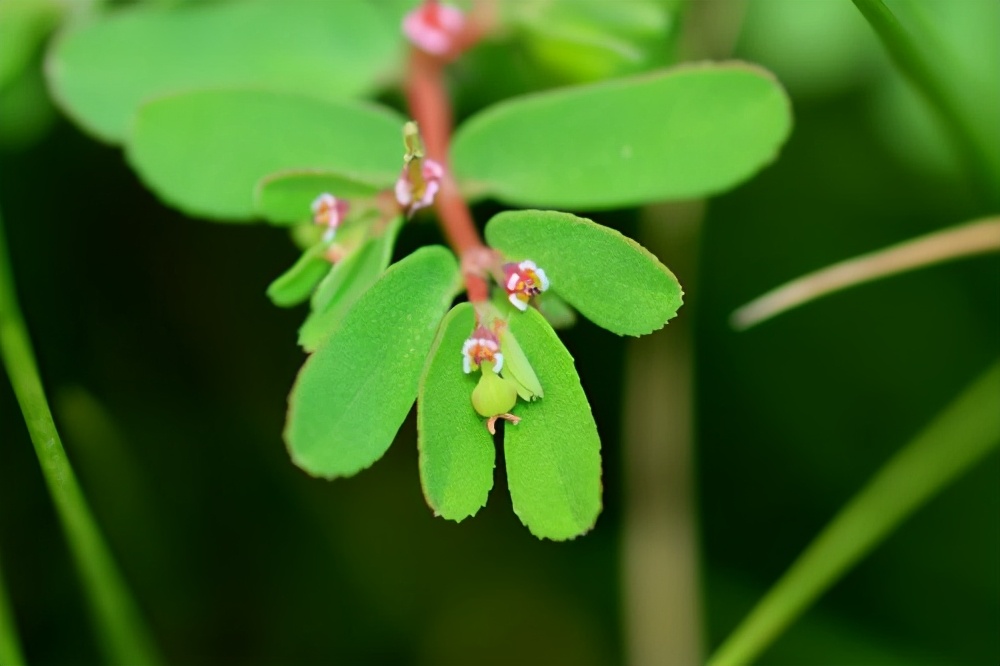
(122, 634)
(959, 437)
(977, 237)
(430, 107)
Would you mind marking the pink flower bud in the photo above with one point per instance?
(482, 347)
(329, 211)
(418, 184)
(432, 27)
(522, 281)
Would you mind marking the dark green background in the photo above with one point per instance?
(168, 371)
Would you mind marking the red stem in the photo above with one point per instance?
(431, 108)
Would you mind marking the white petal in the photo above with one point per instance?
(517, 302)
(497, 363)
(404, 192)
(512, 281)
(542, 278)
(466, 365)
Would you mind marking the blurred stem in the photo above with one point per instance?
(660, 545)
(965, 240)
(958, 438)
(10, 647)
(914, 61)
(123, 636)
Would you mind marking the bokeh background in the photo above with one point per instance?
(168, 370)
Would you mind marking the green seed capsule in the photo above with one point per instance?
(493, 394)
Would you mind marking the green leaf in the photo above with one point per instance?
(296, 284)
(687, 132)
(204, 152)
(456, 450)
(517, 367)
(344, 285)
(554, 454)
(329, 50)
(352, 395)
(610, 279)
(286, 197)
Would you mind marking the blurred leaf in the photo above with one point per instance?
(610, 279)
(26, 113)
(456, 451)
(344, 284)
(814, 48)
(554, 454)
(958, 438)
(204, 152)
(352, 395)
(286, 197)
(296, 284)
(951, 53)
(24, 24)
(593, 39)
(682, 133)
(556, 311)
(104, 71)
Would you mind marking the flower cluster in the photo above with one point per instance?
(482, 347)
(329, 211)
(433, 27)
(421, 177)
(418, 184)
(522, 281)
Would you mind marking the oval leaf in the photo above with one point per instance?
(554, 453)
(456, 451)
(204, 152)
(344, 285)
(352, 395)
(287, 197)
(687, 132)
(610, 279)
(330, 50)
(296, 284)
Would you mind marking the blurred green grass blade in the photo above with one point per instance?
(205, 152)
(681, 133)
(609, 278)
(554, 454)
(328, 50)
(456, 451)
(965, 92)
(10, 646)
(122, 635)
(958, 438)
(978, 237)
